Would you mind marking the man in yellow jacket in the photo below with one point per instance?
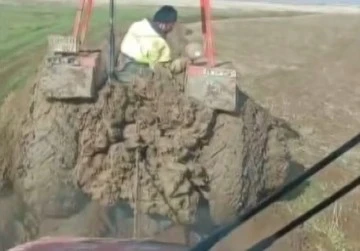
(144, 45)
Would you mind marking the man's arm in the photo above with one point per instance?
(160, 53)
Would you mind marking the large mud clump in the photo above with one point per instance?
(71, 148)
(70, 154)
(149, 128)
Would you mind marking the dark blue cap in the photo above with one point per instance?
(166, 14)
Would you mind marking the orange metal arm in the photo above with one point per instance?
(82, 19)
(207, 32)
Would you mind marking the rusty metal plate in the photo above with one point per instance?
(215, 87)
(62, 81)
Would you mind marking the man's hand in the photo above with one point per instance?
(162, 70)
(169, 69)
(178, 65)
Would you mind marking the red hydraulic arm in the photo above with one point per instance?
(207, 32)
(82, 19)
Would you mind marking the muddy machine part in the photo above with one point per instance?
(69, 68)
(212, 85)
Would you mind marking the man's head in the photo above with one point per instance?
(165, 18)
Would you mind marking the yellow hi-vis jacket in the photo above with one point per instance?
(143, 44)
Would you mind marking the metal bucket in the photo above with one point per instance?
(214, 86)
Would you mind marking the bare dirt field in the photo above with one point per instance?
(302, 68)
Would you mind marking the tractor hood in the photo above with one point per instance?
(97, 244)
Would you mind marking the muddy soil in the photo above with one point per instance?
(82, 157)
(73, 164)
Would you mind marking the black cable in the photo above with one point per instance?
(267, 242)
(220, 233)
(111, 41)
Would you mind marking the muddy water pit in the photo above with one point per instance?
(74, 163)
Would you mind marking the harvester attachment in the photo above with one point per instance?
(69, 77)
(214, 86)
(69, 72)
